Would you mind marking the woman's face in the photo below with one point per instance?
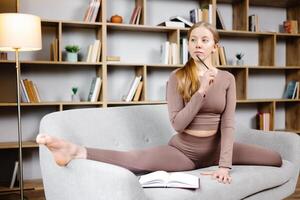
(201, 43)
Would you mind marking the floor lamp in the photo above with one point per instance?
(20, 32)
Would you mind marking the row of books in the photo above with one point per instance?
(204, 14)
(219, 56)
(29, 92)
(253, 23)
(135, 90)
(263, 121)
(95, 89)
(94, 52)
(136, 15)
(169, 53)
(291, 90)
(92, 11)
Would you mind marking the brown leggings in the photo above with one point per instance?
(185, 152)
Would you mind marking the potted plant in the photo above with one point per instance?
(239, 57)
(72, 53)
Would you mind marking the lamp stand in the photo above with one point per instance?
(19, 124)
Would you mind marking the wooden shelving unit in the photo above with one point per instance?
(104, 30)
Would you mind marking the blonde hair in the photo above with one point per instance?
(187, 76)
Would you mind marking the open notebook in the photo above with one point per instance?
(169, 179)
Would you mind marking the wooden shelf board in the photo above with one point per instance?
(234, 33)
(35, 184)
(145, 28)
(289, 130)
(15, 145)
(135, 102)
(143, 64)
(52, 104)
(60, 63)
(71, 23)
(284, 35)
(269, 3)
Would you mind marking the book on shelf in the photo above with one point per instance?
(216, 57)
(253, 23)
(169, 180)
(181, 19)
(172, 24)
(184, 55)
(291, 90)
(222, 55)
(290, 26)
(263, 121)
(113, 58)
(133, 87)
(138, 92)
(201, 14)
(169, 53)
(92, 11)
(220, 22)
(136, 15)
(95, 89)
(54, 50)
(14, 175)
(29, 91)
(94, 52)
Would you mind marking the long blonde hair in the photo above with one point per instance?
(187, 76)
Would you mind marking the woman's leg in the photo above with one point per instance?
(151, 159)
(165, 157)
(246, 154)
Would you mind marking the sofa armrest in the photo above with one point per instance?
(285, 143)
(87, 179)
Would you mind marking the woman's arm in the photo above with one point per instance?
(180, 115)
(227, 125)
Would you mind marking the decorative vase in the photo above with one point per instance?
(116, 19)
(240, 62)
(71, 57)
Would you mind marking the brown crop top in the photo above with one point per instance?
(210, 111)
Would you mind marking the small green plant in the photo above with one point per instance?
(74, 90)
(239, 56)
(72, 48)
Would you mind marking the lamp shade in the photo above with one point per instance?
(20, 31)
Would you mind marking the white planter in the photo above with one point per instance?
(240, 62)
(71, 57)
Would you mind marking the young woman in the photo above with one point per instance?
(201, 104)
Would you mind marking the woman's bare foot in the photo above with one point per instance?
(62, 150)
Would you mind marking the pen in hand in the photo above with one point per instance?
(202, 62)
(210, 82)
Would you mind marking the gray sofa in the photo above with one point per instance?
(132, 127)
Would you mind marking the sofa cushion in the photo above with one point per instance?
(247, 180)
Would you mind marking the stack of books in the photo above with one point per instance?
(92, 11)
(169, 53)
(204, 14)
(136, 15)
(135, 90)
(263, 119)
(94, 52)
(253, 23)
(54, 50)
(29, 92)
(292, 90)
(95, 89)
(290, 26)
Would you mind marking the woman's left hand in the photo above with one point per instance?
(221, 174)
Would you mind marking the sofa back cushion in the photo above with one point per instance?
(118, 128)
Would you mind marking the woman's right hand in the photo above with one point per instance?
(206, 80)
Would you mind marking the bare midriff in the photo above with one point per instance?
(200, 133)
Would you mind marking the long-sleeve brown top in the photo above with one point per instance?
(210, 111)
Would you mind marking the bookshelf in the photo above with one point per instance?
(270, 61)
